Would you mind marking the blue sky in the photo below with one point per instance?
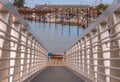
(32, 3)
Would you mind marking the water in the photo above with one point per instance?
(55, 37)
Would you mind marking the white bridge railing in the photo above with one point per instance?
(21, 54)
(96, 55)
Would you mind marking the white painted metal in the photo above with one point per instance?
(96, 55)
(98, 50)
(21, 54)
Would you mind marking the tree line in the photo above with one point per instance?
(19, 3)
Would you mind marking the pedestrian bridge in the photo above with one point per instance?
(95, 57)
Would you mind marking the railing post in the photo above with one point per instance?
(5, 44)
(80, 57)
(77, 57)
(115, 44)
(84, 65)
(18, 54)
(85, 57)
(33, 55)
(91, 60)
(30, 54)
(25, 56)
(87, 43)
(100, 54)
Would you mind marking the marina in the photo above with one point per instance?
(52, 34)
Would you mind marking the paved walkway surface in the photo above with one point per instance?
(56, 74)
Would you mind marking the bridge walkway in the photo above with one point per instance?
(56, 74)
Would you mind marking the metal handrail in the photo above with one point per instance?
(90, 54)
(24, 38)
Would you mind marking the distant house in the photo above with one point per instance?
(61, 6)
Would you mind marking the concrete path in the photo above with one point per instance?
(57, 74)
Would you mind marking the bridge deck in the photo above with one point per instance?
(56, 74)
